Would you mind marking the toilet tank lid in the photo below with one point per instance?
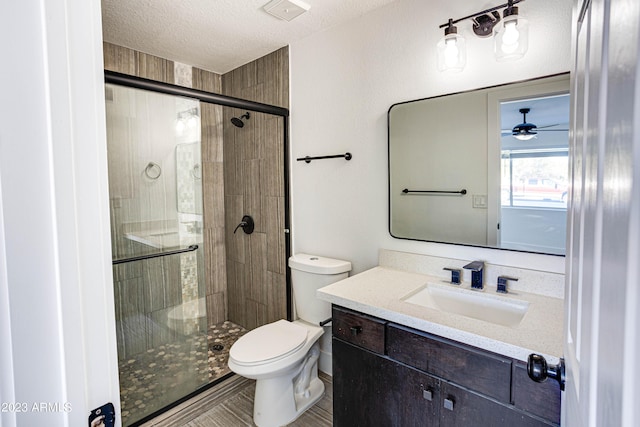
(318, 264)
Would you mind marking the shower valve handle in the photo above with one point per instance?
(246, 224)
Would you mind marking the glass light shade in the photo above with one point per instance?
(525, 136)
(452, 53)
(511, 39)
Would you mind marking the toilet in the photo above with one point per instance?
(283, 356)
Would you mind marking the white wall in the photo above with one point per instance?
(343, 81)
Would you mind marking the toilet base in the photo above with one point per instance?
(276, 403)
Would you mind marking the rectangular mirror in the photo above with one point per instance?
(485, 168)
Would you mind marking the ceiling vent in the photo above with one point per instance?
(286, 9)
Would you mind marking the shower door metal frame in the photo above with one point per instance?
(112, 77)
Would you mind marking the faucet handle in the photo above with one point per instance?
(502, 283)
(455, 275)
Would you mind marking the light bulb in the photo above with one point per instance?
(179, 127)
(510, 37)
(451, 53)
(192, 122)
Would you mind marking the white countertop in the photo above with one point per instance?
(379, 292)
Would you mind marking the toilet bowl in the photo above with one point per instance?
(283, 356)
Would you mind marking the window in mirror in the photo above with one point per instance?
(534, 175)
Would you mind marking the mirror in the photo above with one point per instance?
(457, 173)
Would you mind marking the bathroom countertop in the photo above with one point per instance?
(379, 292)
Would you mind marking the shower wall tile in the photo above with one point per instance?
(271, 72)
(254, 170)
(272, 183)
(236, 295)
(154, 68)
(258, 268)
(274, 208)
(216, 308)
(256, 314)
(235, 242)
(206, 80)
(276, 296)
(127, 61)
(213, 194)
(183, 74)
(158, 330)
(212, 132)
(252, 199)
(119, 59)
(215, 262)
(233, 156)
(129, 295)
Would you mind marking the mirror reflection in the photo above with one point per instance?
(484, 168)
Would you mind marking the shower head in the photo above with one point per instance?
(237, 122)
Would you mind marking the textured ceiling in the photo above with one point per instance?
(217, 35)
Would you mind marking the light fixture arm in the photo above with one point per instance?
(484, 12)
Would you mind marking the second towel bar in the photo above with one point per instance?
(406, 191)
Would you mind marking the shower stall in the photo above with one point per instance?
(185, 168)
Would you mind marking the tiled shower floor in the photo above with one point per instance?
(162, 375)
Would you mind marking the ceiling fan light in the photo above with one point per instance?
(525, 136)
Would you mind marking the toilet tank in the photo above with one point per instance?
(310, 273)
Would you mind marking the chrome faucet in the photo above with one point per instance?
(476, 268)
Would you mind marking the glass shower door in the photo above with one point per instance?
(155, 187)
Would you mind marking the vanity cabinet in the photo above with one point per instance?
(385, 374)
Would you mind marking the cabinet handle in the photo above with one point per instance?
(355, 330)
(427, 394)
(448, 404)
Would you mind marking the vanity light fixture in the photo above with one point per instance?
(452, 50)
(511, 36)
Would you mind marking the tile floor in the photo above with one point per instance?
(162, 375)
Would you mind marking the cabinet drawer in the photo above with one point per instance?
(541, 399)
(470, 367)
(463, 408)
(359, 329)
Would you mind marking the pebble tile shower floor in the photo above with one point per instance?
(171, 371)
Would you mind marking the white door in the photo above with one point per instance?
(603, 255)
(58, 357)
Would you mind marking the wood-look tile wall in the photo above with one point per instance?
(215, 268)
(254, 185)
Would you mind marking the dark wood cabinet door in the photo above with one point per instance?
(463, 408)
(371, 390)
(541, 399)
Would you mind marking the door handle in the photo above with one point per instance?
(538, 369)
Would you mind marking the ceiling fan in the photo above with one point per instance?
(526, 131)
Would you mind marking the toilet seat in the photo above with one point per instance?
(268, 343)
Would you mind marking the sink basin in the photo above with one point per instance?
(495, 309)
